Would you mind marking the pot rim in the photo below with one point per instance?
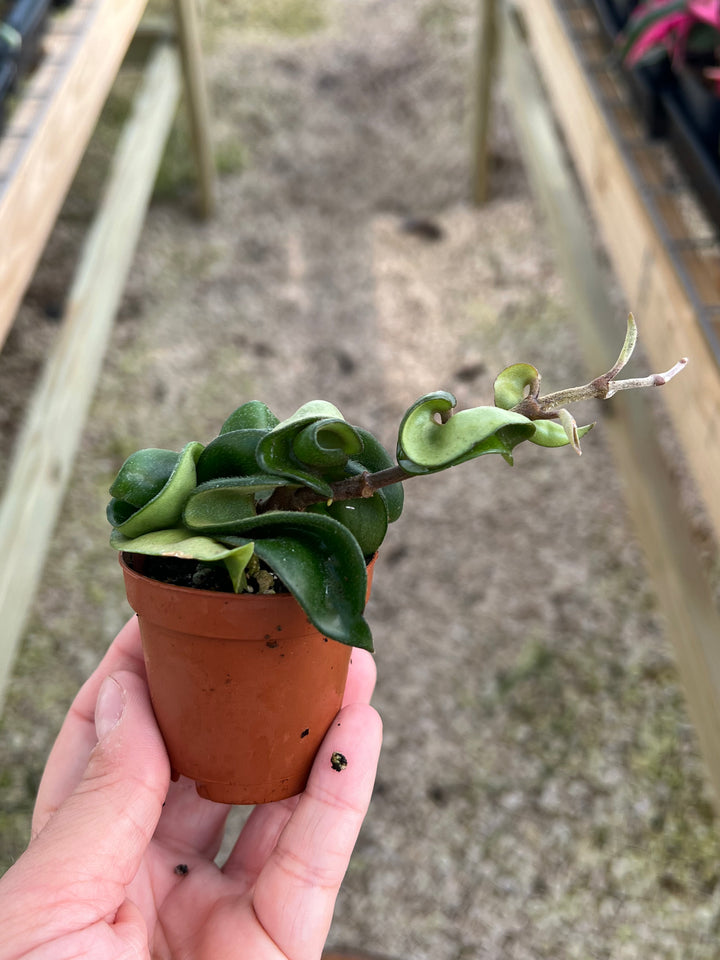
(197, 591)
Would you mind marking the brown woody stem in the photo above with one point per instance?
(601, 388)
(351, 488)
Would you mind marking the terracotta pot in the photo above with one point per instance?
(243, 687)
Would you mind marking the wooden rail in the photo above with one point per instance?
(39, 154)
(673, 295)
(668, 279)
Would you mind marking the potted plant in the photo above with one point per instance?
(683, 36)
(248, 562)
(685, 32)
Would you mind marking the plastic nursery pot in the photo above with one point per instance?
(243, 687)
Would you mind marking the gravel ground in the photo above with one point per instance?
(540, 793)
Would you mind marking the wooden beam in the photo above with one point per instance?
(67, 92)
(683, 589)
(486, 56)
(657, 293)
(46, 448)
(188, 36)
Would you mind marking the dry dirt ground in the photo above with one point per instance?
(540, 793)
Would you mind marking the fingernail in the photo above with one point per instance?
(109, 707)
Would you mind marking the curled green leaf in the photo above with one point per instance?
(166, 507)
(326, 444)
(429, 440)
(253, 415)
(306, 446)
(218, 506)
(551, 433)
(231, 454)
(178, 542)
(143, 475)
(314, 410)
(118, 511)
(322, 565)
(511, 384)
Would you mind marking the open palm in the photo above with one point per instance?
(121, 866)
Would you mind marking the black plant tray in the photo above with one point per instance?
(27, 19)
(695, 151)
(648, 86)
(8, 69)
(608, 18)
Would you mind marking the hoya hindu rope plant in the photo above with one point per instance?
(248, 562)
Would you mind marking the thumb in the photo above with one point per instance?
(95, 841)
(113, 812)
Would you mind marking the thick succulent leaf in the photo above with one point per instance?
(321, 563)
(219, 505)
(374, 457)
(143, 475)
(550, 433)
(178, 543)
(328, 443)
(426, 445)
(166, 507)
(314, 410)
(232, 454)
(118, 511)
(365, 518)
(511, 384)
(253, 415)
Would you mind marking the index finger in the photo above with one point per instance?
(69, 755)
(295, 893)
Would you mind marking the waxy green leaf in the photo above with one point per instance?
(231, 454)
(253, 415)
(218, 505)
(322, 565)
(306, 448)
(166, 507)
(178, 543)
(366, 519)
(143, 475)
(550, 433)
(118, 511)
(326, 444)
(313, 410)
(427, 444)
(511, 384)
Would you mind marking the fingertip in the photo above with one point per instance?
(346, 763)
(119, 798)
(304, 872)
(128, 725)
(362, 675)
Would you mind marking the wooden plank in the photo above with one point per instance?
(656, 292)
(683, 590)
(485, 70)
(45, 163)
(51, 433)
(188, 37)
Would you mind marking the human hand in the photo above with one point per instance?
(99, 878)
